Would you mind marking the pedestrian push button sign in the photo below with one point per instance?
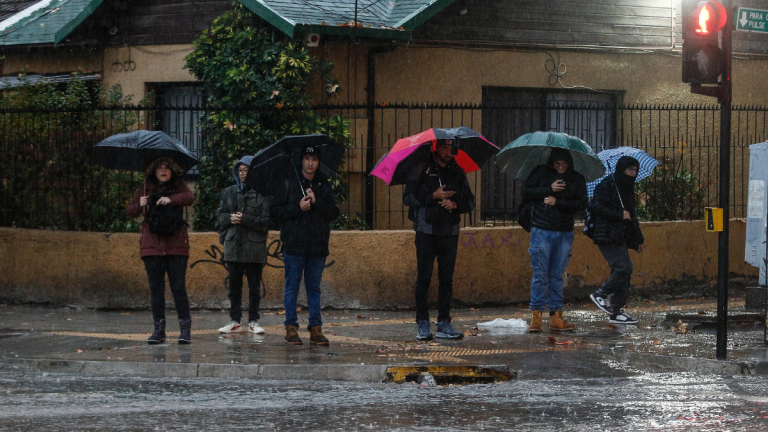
(714, 217)
(752, 20)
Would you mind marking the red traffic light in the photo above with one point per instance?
(709, 17)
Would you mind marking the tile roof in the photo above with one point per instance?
(45, 22)
(12, 7)
(375, 18)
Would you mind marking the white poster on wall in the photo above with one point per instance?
(756, 204)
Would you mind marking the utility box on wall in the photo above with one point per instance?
(755, 247)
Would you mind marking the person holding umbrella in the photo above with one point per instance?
(164, 244)
(616, 230)
(557, 192)
(437, 193)
(305, 206)
(244, 218)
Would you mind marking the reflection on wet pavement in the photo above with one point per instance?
(640, 402)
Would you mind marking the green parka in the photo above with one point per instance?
(246, 241)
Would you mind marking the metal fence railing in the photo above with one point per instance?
(47, 181)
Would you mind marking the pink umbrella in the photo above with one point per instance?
(473, 151)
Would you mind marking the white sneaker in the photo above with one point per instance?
(233, 327)
(622, 318)
(254, 327)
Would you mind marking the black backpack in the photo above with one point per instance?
(164, 220)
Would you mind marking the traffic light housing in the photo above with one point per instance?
(703, 59)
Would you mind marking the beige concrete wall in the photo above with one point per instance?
(154, 64)
(373, 269)
(417, 73)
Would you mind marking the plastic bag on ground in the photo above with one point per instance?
(498, 323)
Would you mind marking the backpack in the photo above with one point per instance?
(524, 215)
(164, 220)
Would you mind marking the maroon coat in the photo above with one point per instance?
(153, 244)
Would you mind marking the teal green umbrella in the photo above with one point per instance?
(524, 154)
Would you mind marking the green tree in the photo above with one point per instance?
(47, 179)
(671, 193)
(257, 83)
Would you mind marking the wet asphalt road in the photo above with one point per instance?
(638, 401)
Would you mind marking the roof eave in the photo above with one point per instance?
(421, 16)
(73, 23)
(362, 32)
(270, 16)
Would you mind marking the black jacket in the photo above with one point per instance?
(305, 232)
(424, 180)
(608, 213)
(573, 199)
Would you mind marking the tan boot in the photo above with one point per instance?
(557, 323)
(292, 335)
(536, 322)
(316, 336)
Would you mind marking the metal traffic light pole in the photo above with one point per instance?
(725, 190)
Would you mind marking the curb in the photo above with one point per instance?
(347, 372)
(664, 363)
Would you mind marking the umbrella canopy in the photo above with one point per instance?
(524, 154)
(133, 151)
(473, 151)
(271, 165)
(611, 156)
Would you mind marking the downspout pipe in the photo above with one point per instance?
(370, 155)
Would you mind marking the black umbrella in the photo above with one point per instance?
(272, 165)
(134, 151)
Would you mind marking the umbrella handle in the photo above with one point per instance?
(299, 179)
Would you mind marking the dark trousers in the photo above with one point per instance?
(252, 272)
(429, 247)
(176, 268)
(621, 273)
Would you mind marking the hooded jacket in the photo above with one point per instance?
(157, 245)
(613, 195)
(247, 241)
(305, 233)
(538, 185)
(427, 214)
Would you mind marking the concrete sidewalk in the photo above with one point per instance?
(367, 345)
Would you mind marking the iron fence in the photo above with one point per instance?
(47, 180)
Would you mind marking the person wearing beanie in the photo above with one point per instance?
(557, 193)
(305, 206)
(616, 230)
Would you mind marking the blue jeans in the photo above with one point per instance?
(550, 252)
(311, 267)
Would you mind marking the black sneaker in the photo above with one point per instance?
(602, 301)
(423, 332)
(445, 331)
(622, 318)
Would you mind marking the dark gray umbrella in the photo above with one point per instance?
(134, 151)
(272, 164)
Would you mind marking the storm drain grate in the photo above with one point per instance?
(445, 375)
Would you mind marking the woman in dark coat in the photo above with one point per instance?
(164, 193)
(616, 230)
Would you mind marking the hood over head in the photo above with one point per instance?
(246, 160)
(560, 154)
(624, 181)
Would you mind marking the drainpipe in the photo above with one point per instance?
(370, 155)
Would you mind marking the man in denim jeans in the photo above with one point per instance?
(305, 207)
(557, 193)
